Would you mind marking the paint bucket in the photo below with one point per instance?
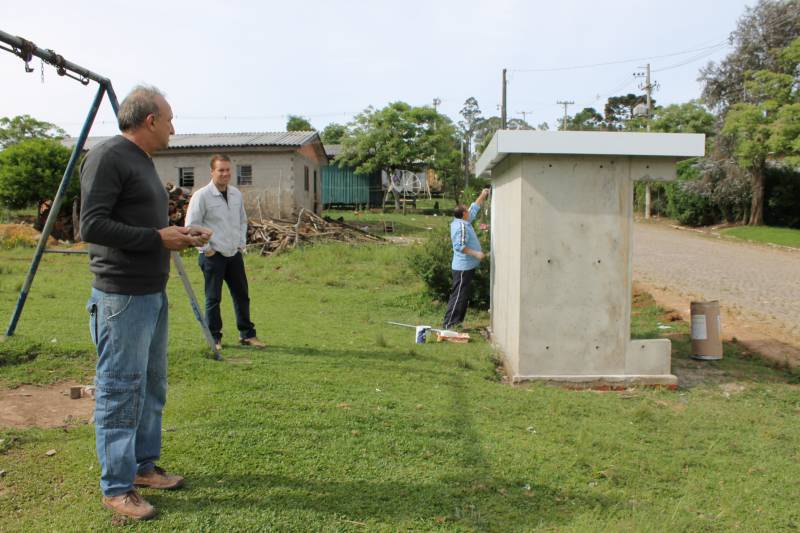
(421, 334)
(706, 331)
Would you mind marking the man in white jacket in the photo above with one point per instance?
(219, 206)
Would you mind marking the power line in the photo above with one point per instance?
(716, 46)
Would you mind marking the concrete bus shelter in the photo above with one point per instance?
(562, 231)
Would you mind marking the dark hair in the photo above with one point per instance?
(140, 103)
(459, 211)
(219, 157)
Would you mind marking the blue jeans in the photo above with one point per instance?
(130, 333)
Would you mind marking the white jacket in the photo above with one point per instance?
(227, 220)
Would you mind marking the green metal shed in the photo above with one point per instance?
(344, 186)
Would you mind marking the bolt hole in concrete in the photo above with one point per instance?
(546, 347)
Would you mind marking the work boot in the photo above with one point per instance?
(157, 478)
(130, 504)
(254, 342)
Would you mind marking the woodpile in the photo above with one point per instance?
(178, 204)
(66, 226)
(273, 236)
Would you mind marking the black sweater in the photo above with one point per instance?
(123, 204)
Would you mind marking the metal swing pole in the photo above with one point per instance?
(54, 210)
(26, 50)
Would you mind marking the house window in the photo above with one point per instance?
(186, 177)
(306, 176)
(244, 174)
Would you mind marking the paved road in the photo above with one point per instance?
(757, 280)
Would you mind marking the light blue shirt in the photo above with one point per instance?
(463, 236)
(227, 220)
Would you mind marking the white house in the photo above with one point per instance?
(279, 171)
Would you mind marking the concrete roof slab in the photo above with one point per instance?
(518, 142)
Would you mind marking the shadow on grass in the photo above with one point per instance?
(737, 364)
(468, 494)
(455, 498)
(382, 354)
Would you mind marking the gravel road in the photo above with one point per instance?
(756, 280)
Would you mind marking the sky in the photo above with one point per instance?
(243, 66)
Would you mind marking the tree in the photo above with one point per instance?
(471, 114)
(587, 119)
(690, 117)
(31, 171)
(333, 133)
(619, 112)
(769, 26)
(17, 129)
(401, 137)
(298, 123)
(767, 128)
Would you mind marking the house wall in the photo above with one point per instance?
(311, 199)
(275, 182)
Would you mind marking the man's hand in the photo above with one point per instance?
(474, 253)
(200, 232)
(482, 196)
(179, 238)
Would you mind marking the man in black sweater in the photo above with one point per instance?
(124, 209)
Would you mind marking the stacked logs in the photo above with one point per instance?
(272, 236)
(66, 227)
(178, 204)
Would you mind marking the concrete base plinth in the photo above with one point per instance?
(605, 382)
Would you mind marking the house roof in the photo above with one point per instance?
(332, 150)
(215, 140)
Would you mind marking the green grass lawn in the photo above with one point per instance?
(344, 424)
(415, 222)
(766, 234)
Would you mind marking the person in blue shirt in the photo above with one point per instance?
(467, 255)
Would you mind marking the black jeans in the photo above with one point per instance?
(230, 269)
(459, 297)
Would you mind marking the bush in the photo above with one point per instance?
(31, 171)
(431, 262)
(782, 196)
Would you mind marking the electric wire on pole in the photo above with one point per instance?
(565, 103)
(648, 87)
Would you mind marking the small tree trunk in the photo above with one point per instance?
(757, 197)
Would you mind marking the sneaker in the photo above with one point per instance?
(158, 478)
(253, 341)
(131, 505)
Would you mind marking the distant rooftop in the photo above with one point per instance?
(333, 150)
(213, 140)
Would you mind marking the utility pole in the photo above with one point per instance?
(436, 102)
(525, 115)
(565, 103)
(648, 89)
(503, 103)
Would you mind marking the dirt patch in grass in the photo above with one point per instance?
(43, 407)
